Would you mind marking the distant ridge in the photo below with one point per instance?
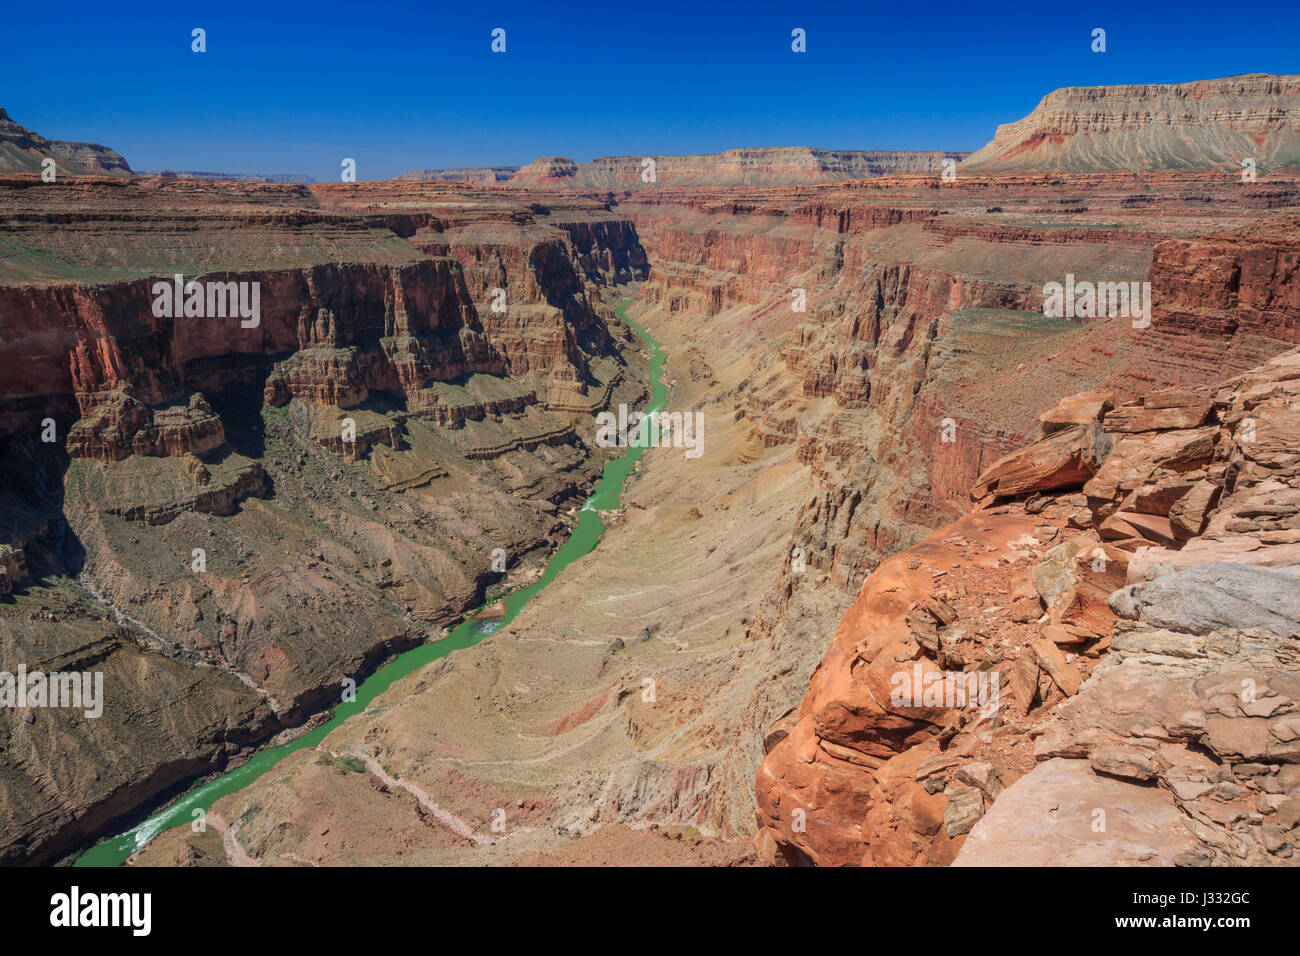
(1204, 124)
(23, 151)
(230, 177)
(758, 166)
(477, 175)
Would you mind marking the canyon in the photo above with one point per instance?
(202, 440)
(908, 464)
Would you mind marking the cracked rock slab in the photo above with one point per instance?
(1209, 596)
(1063, 814)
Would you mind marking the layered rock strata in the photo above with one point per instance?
(1223, 122)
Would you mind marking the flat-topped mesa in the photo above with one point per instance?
(477, 175)
(759, 166)
(296, 178)
(1216, 123)
(22, 150)
(547, 171)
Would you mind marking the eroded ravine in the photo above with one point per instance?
(585, 535)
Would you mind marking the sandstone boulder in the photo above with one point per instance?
(1135, 458)
(1065, 459)
(965, 807)
(1058, 571)
(1188, 515)
(1168, 409)
(1081, 409)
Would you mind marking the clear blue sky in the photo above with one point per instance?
(295, 87)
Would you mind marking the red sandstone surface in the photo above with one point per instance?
(1021, 591)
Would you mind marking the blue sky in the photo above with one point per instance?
(295, 87)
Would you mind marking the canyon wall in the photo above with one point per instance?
(924, 344)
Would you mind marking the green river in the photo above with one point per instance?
(586, 533)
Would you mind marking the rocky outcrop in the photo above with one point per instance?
(981, 705)
(117, 425)
(1207, 123)
(1186, 733)
(1242, 506)
(1065, 459)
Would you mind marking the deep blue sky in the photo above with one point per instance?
(295, 87)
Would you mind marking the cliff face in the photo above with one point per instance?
(1239, 285)
(1208, 123)
(329, 333)
(405, 326)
